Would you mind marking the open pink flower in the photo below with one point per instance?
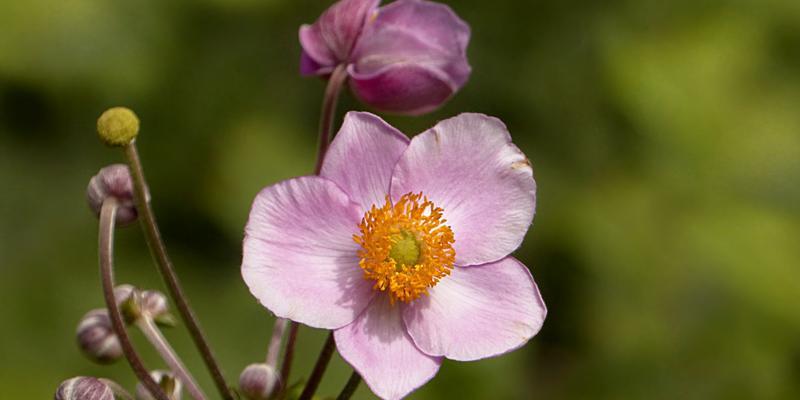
(402, 247)
(407, 57)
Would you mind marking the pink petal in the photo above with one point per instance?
(468, 166)
(411, 58)
(330, 40)
(300, 260)
(316, 55)
(378, 347)
(309, 67)
(415, 31)
(362, 156)
(404, 88)
(478, 312)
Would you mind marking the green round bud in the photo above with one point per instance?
(117, 126)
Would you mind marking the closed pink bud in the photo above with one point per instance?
(83, 388)
(407, 57)
(113, 181)
(258, 382)
(97, 339)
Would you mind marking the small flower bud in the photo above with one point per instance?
(172, 386)
(117, 126)
(123, 292)
(129, 300)
(258, 382)
(154, 303)
(97, 339)
(84, 388)
(134, 303)
(115, 181)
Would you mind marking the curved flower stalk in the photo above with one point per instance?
(118, 127)
(402, 247)
(407, 57)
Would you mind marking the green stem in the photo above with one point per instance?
(319, 369)
(159, 250)
(350, 387)
(108, 216)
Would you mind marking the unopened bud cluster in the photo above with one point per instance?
(95, 334)
(134, 303)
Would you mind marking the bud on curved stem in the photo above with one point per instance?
(113, 181)
(83, 388)
(97, 339)
(106, 245)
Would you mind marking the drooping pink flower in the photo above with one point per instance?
(406, 57)
(402, 247)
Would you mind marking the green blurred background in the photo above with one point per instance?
(665, 138)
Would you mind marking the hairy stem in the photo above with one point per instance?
(329, 102)
(159, 251)
(153, 334)
(319, 369)
(350, 387)
(327, 115)
(288, 356)
(108, 215)
(274, 350)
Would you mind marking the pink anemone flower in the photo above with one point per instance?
(402, 248)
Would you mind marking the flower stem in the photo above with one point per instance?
(350, 387)
(319, 369)
(288, 356)
(153, 334)
(159, 250)
(334, 88)
(332, 91)
(108, 215)
(274, 350)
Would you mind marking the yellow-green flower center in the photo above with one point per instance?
(405, 250)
